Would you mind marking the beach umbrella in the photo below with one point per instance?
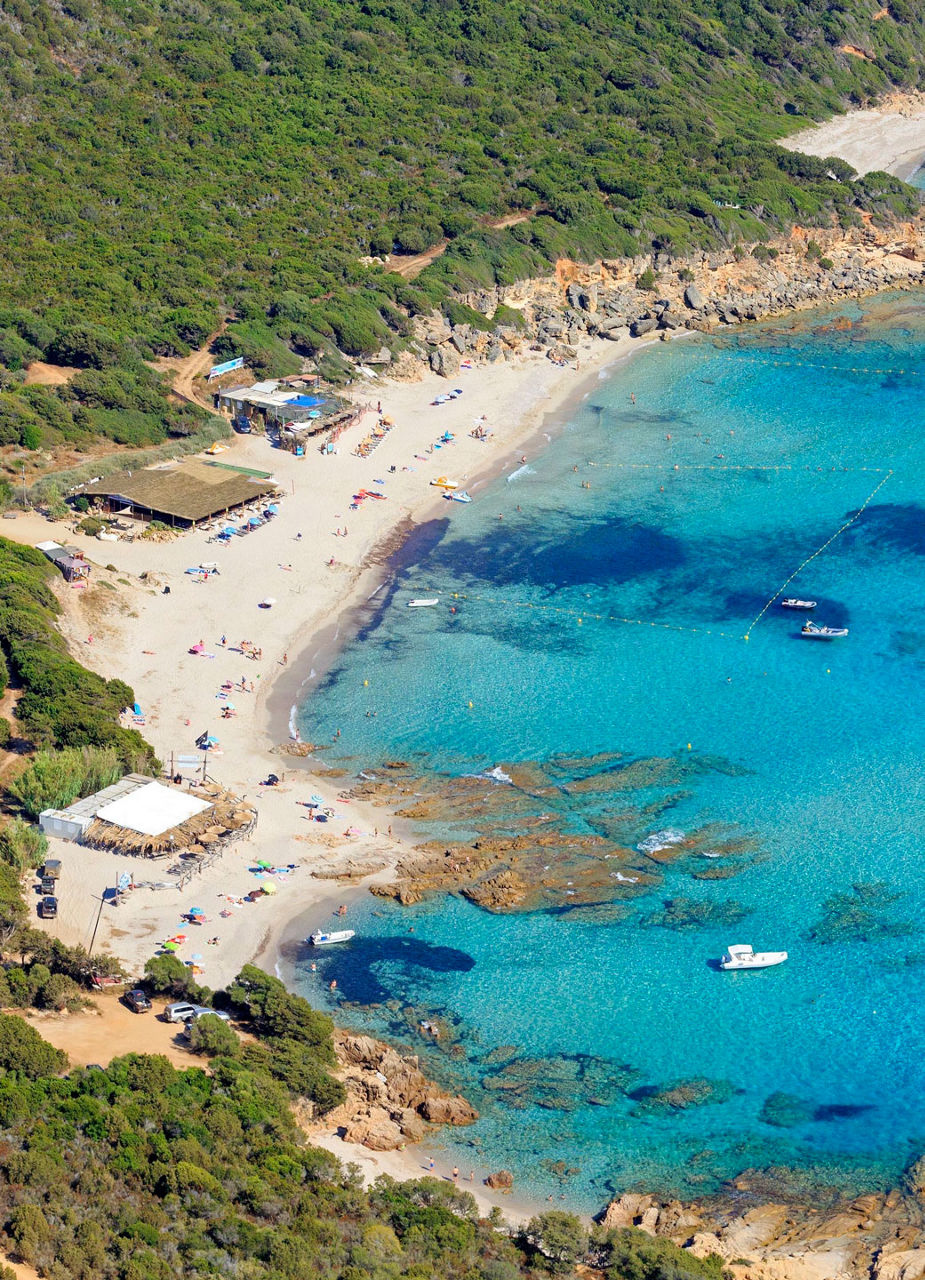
(171, 946)
(317, 800)
(196, 958)
(264, 864)
(267, 603)
(269, 887)
(195, 911)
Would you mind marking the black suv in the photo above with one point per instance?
(48, 908)
(137, 1001)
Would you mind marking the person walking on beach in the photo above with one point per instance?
(455, 1174)
(285, 659)
(430, 1164)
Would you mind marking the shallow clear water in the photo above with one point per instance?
(778, 437)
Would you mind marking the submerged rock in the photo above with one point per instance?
(858, 916)
(681, 1095)
(785, 1111)
(689, 913)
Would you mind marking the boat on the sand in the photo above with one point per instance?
(427, 603)
(441, 482)
(323, 938)
(791, 602)
(813, 631)
(741, 956)
(461, 496)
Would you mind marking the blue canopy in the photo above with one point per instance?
(306, 402)
(274, 508)
(255, 520)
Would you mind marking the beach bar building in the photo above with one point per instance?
(284, 405)
(69, 560)
(181, 494)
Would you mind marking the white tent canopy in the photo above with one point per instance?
(152, 809)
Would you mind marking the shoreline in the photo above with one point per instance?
(130, 618)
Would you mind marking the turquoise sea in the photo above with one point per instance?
(603, 1048)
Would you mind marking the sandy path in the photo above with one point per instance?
(890, 137)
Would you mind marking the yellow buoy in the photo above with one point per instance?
(365, 684)
(688, 746)
(470, 706)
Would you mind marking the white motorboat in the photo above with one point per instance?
(321, 938)
(427, 603)
(741, 956)
(791, 602)
(461, 496)
(813, 631)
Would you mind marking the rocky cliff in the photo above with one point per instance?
(667, 294)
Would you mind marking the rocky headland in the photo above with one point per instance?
(764, 1233)
(390, 1102)
(667, 294)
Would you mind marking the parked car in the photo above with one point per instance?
(180, 1011)
(52, 868)
(48, 908)
(49, 885)
(137, 1001)
(214, 1013)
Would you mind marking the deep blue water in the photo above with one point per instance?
(778, 437)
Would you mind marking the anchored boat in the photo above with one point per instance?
(741, 956)
(813, 631)
(321, 938)
(424, 604)
(792, 603)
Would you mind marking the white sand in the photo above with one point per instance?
(890, 137)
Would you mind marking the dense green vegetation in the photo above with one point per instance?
(168, 160)
(143, 1172)
(62, 703)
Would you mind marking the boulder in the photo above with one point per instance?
(445, 361)
(438, 1109)
(377, 1132)
(613, 333)
(503, 1180)
(693, 298)
(459, 341)
(640, 327)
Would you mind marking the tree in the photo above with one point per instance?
(22, 1049)
(213, 1037)
(168, 975)
(556, 1239)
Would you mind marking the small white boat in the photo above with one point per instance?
(791, 602)
(321, 938)
(813, 631)
(741, 956)
(427, 603)
(462, 496)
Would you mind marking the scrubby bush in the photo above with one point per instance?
(23, 845)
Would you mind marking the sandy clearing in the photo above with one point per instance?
(110, 1031)
(39, 374)
(890, 137)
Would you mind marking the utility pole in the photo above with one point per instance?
(23, 465)
(95, 927)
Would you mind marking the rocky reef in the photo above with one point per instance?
(567, 834)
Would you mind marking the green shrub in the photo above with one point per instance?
(56, 779)
(647, 280)
(22, 845)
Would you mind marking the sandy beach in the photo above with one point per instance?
(124, 626)
(888, 137)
